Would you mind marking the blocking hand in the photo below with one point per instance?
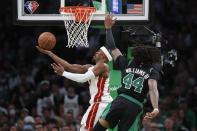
(109, 21)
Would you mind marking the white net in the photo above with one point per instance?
(77, 22)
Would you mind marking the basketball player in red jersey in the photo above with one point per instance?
(98, 78)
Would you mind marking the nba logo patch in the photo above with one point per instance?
(31, 6)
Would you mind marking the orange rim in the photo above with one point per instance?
(73, 9)
(81, 13)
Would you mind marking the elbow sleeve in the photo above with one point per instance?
(81, 78)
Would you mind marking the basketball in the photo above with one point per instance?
(47, 41)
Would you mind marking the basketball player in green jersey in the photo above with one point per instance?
(138, 79)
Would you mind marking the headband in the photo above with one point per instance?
(106, 52)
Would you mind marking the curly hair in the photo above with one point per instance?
(146, 54)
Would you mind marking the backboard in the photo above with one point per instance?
(40, 12)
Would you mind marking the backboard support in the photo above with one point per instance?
(39, 12)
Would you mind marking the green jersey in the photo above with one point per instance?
(135, 78)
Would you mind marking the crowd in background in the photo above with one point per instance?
(33, 97)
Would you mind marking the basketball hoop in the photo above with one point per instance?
(77, 21)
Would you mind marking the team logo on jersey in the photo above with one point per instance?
(31, 6)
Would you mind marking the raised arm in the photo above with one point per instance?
(110, 43)
(154, 97)
(67, 66)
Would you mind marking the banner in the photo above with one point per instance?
(115, 6)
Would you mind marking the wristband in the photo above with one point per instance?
(156, 110)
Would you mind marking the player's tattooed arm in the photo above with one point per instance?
(110, 43)
(76, 68)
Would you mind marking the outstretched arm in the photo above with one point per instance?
(99, 69)
(154, 97)
(67, 66)
(81, 78)
(110, 43)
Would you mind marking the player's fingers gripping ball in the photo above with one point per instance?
(47, 40)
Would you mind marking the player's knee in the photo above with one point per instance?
(101, 125)
(104, 123)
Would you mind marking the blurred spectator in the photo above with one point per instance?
(188, 116)
(20, 124)
(39, 127)
(5, 126)
(29, 120)
(50, 124)
(192, 98)
(55, 129)
(182, 123)
(28, 127)
(29, 123)
(43, 92)
(64, 87)
(4, 87)
(4, 123)
(71, 122)
(38, 120)
(169, 125)
(67, 128)
(47, 114)
(12, 113)
(23, 113)
(61, 116)
(3, 111)
(71, 101)
(13, 128)
(150, 126)
(84, 101)
(56, 98)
